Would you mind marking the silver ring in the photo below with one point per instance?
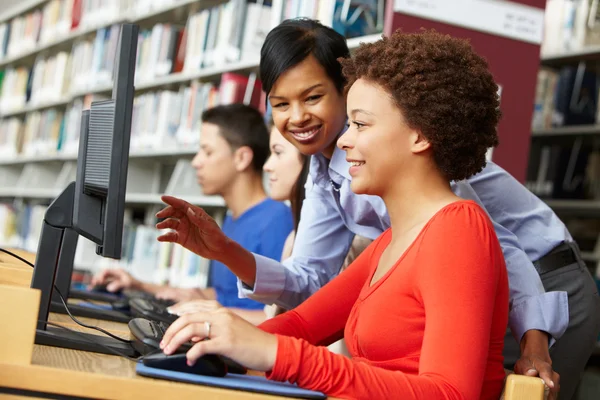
(207, 328)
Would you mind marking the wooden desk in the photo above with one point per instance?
(81, 374)
(90, 375)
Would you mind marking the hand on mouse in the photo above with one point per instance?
(192, 228)
(115, 279)
(230, 336)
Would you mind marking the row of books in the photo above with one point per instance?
(55, 20)
(213, 37)
(568, 96)
(161, 119)
(142, 255)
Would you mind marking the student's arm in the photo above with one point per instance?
(321, 244)
(458, 278)
(255, 317)
(320, 320)
(531, 307)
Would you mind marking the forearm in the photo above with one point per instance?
(241, 262)
(255, 317)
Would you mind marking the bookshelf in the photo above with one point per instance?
(162, 148)
(576, 207)
(591, 53)
(145, 14)
(573, 130)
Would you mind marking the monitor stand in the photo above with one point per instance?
(57, 248)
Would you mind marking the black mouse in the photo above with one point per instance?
(208, 365)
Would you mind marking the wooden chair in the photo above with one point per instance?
(520, 387)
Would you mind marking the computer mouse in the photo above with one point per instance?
(208, 365)
(234, 367)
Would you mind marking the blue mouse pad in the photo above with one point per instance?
(96, 306)
(248, 383)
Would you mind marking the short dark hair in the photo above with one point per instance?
(290, 42)
(241, 125)
(442, 87)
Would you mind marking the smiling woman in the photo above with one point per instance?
(304, 84)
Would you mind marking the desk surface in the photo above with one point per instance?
(82, 374)
(90, 375)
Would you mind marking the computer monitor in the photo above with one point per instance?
(93, 205)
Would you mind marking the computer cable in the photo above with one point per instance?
(62, 299)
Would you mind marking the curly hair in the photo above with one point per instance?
(443, 89)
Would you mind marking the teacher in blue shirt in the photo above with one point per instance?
(555, 308)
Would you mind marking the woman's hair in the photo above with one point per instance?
(298, 192)
(290, 42)
(443, 89)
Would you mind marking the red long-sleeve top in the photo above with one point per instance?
(431, 328)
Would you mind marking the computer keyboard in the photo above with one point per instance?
(153, 309)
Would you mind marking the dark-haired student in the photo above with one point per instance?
(234, 145)
(437, 275)
(554, 306)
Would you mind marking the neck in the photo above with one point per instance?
(413, 200)
(246, 191)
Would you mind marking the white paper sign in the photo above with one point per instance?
(498, 17)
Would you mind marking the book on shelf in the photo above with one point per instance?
(566, 97)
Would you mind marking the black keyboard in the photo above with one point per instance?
(152, 309)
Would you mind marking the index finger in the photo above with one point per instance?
(175, 202)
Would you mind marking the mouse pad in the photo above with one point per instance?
(248, 383)
(96, 306)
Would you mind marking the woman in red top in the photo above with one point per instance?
(424, 308)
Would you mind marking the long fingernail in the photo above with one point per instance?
(191, 212)
(551, 384)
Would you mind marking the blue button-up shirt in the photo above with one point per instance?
(332, 214)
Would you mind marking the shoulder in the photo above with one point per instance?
(459, 227)
(275, 216)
